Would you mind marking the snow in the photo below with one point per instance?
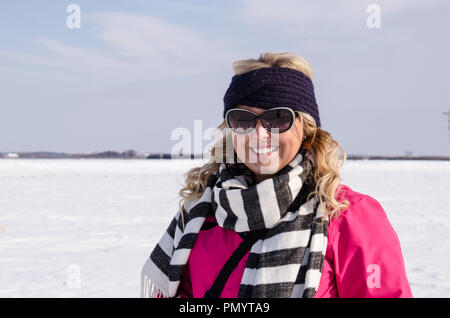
(84, 228)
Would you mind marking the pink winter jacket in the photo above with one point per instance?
(363, 257)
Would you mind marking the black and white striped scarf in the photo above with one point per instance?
(286, 262)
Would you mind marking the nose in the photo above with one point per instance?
(261, 132)
(260, 136)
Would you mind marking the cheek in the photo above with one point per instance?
(289, 144)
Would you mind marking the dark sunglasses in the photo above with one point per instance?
(243, 121)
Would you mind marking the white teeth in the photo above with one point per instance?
(264, 150)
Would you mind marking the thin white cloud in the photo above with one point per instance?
(132, 46)
(154, 41)
(306, 16)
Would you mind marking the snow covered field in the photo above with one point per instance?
(84, 228)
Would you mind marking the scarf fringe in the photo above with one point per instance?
(149, 288)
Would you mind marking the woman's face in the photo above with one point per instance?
(266, 153)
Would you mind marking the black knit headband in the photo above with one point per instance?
(270, 87)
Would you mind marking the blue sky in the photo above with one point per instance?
(136, 70)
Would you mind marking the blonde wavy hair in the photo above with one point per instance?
(329, 156)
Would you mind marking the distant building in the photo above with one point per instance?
(12, 155)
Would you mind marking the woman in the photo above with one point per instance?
(270, 218)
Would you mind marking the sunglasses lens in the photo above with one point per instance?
(281, 119)
(240, 120)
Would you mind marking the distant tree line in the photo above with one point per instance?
(132, 154)
(128, 154)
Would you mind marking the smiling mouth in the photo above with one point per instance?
(264, 151)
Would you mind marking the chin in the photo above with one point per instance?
(269, 168)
